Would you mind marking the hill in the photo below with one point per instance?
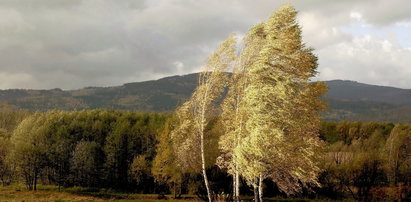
(354, 101)
(351, 90)
(348, 100)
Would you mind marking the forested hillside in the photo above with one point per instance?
(157, 95)
(347, 100)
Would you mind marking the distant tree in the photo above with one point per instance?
(359, 166)
(139, 169)
(86, 163)
(343, 129)
(10, 117)
(329, 133)
(131, 135)
(354, 131)
(30, 148)
(118, 158)
(367, 129)
(6, 165)
(398, 150)
(165, 169)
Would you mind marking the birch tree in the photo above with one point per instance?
(233, 118)
(282, 109)
(194, 115)
(234, 113)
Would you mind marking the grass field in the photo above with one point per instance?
(18, 192)
(51, 193)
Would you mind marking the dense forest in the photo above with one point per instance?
(130, 151)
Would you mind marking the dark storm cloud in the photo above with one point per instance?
(76, 43)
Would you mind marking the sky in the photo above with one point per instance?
(72, 44)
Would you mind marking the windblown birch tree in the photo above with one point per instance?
(234, 113)
(282, 109)
(234, 119)
(195, 114)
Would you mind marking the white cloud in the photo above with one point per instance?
(403, 24)
(356, 16)
(367, 59)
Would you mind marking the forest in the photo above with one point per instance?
(255, 134)
(129, 151)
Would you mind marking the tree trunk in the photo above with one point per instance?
(35, 180)
(255, 186)
(260, 188)
(237, 186)
(234, 186)
(204, 167)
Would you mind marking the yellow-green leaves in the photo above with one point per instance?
(195, 114)
(270, 114)
(279, 108)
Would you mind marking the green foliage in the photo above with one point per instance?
(329, 133)
(398, 150)
(370, 161)
(86, 164)
(30, 141)
(74, 148)
(358, 167)
(10, 117)
(87, 148)
(140, 169)
(6, 165)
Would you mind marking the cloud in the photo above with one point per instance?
(367, 59)
(75, 43)
(7, 79)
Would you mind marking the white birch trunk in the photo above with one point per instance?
(203, 166)
(234, 186)
(255, 186)
(202, 126)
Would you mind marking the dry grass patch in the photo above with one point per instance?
(42, 196)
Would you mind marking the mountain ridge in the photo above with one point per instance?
(348, 100)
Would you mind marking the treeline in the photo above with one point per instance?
(131, 151)
(366, 161)
(95, 148)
